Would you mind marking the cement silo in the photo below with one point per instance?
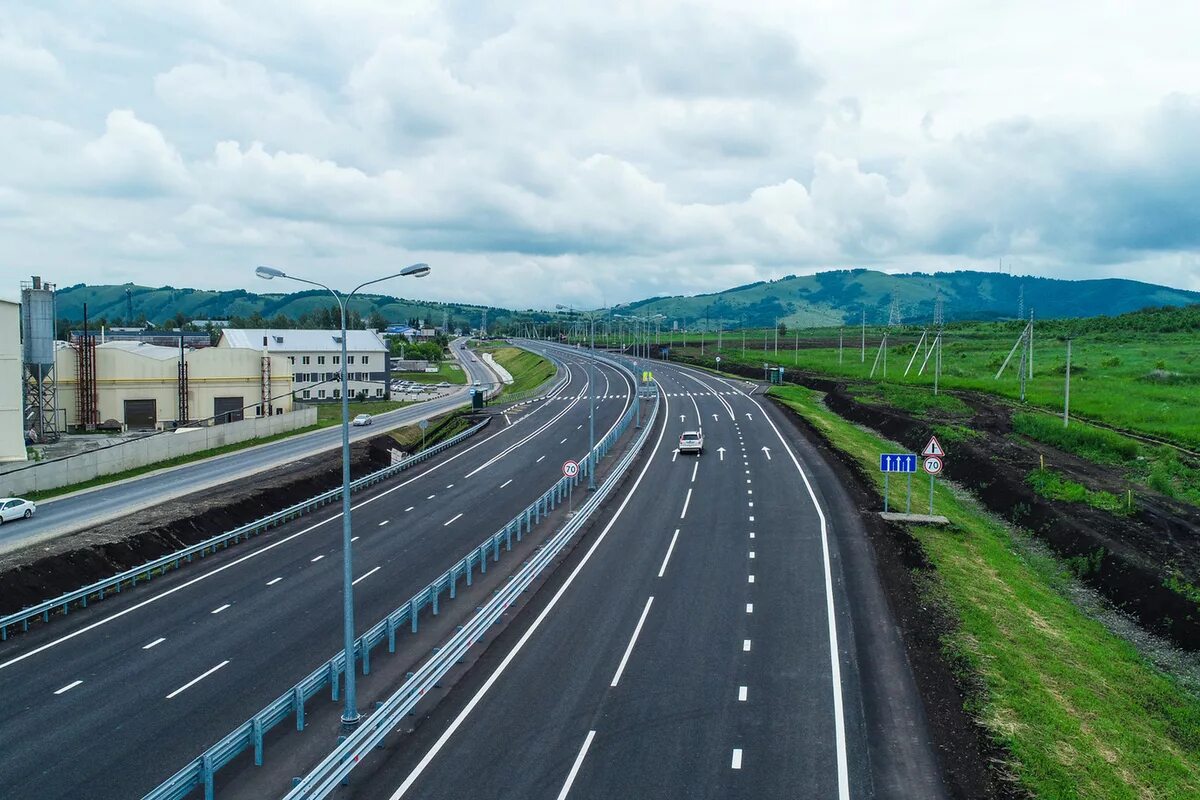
(37, 354)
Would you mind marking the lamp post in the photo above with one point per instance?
(350, 716)
(591, 400)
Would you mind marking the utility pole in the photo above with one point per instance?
(863, 352)
(1031, 344)
(796, 352)
(1067, 388)
(743, 337)
(841, 333)
(777, 337)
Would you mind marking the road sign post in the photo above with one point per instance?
(423, 424)
(932, 462)
(897, 462)
(570, 469)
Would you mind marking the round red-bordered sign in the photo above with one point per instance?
(932, 465)
(570, 469)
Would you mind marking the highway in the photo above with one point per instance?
(721, 635)
(86, 509)
(111, 700)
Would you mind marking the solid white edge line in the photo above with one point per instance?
(667, 557)
(155, 643)
(686, 500)
(632, 641)
(537, 623)
(68, 687)
(839, 720)
(587, 742)
(196, 680)
(367, 574)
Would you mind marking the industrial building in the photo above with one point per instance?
(37, 355)
(12, 428)
(315, 358)
(144, 386)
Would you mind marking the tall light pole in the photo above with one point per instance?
(350, 716)
(591, 400)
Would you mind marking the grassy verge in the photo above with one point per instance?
(409, 439)
(1053, 486)
(1080, 712)
(331, 413)
(164, 464)
(528, 370)
(915, 400)
(448, 371)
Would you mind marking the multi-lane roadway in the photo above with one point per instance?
(109, 701)
(721, 635)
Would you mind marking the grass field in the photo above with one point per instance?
(1082, 714)
(448, 371)
(331, 413)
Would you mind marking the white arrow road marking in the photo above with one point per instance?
(716, 418)
(674, 455)
(721, 452)
(767, 451)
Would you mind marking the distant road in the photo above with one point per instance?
(92, 507)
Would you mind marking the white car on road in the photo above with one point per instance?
(362, 419)
(15, 508)
(691, 442)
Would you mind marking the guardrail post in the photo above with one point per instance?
(366, 657)
(298, 702)
(495, 549)
(256, 732)
(391, 632)
(412, 614)
(453, 583)
(436, 592)
(206, 776)
(483, 559)
(468, 560)
(508, 536)
(333, 679)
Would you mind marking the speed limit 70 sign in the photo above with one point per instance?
(932, 465)
(570, 469)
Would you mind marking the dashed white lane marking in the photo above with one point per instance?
(385, 522)
(737, 758)
(749, 491)
(355, 538)
(410, 508)
(745, 645)
(155, 643)
(539, 460)
(749, 608)
(587, 742)
(431, 497)
(315, 560)
(68, 687)
(751, 534)
(632, 641)
(667, 557)
(219, 609)
(506, 483)
(742, 691)
(273, 581)
(366, 574)
(695, 467)
(752, 554)
(751, 579)
(196, 680)
(686, 500)
(579, 427)
(450, 486)
(752, 516)
(564, 440)
(456, 516)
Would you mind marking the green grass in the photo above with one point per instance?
(331, 413)
(1053, 486)
(164, 464)
(915, 400)
(448, 371)
(528, 370)
(1095, 444)
(1080, 712)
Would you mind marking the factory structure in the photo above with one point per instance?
(12, 413)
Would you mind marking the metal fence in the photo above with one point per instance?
(130, 577)
(250, 734)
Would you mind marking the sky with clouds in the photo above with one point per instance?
(589, 153)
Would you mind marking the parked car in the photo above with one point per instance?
(362, 419)
(691, 442)
(15, 508)
(444, 384)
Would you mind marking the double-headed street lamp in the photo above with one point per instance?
(350, 716)
(591, 396)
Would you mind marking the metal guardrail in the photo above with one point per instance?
(200, 772)
(113, 584)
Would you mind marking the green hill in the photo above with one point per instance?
(831, 298)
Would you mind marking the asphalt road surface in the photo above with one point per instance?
(111, 700)
(722, 635)
(56, 517)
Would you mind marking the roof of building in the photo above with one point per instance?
(307, 341)
(142, 349)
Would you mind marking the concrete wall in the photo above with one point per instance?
(148, 450)
(12, 435)
(125, 372)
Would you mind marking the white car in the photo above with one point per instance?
(361, 419)
(691, 442)
(15, 508)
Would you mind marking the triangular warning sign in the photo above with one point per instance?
(934, 448)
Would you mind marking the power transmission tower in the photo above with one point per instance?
(483, 325)
(939, 312)
(894, 318)
(1021, 303)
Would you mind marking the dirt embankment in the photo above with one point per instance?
(51, 568)
(1127, 559)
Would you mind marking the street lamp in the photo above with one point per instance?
(350, 716)
(591, 399)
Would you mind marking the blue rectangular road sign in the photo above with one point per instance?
(897, 462)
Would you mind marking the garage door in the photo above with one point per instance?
(227, 409)
(140, 414)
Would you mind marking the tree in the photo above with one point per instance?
(376, 320)
(782, 329)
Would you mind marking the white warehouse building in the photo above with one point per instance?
(12, 428)
(316, 359)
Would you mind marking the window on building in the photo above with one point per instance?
(320, 359)
(307, 394)
(349, 359)
(304, 359)
(379, 392)
(337, 394)
(337, 359)
(320, 394)
(364, 361)
(291, 359)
